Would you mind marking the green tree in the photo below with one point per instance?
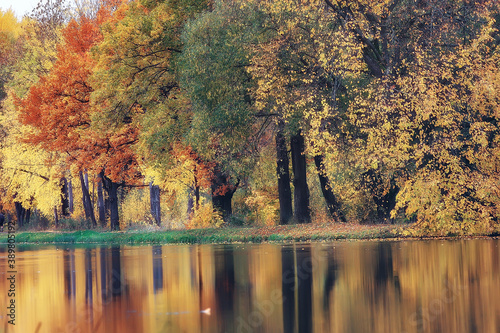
(225, 128)
(137, 80)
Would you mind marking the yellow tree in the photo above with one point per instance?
(449, 135)
(425, 116)
(10, 29)
(27, 181)
(301, 71)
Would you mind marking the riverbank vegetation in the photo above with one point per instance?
(152, 235)
(194, 114)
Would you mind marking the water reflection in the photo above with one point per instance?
(435, 286)
(157, 269)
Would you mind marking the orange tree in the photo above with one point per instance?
(58, 110)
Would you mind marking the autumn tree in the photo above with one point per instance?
(225, 128)
(413, 113)
(58, 110)
(10, 29)
(299, 71)
(136, 81)
(26, 179)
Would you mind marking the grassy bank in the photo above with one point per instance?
(327, 232)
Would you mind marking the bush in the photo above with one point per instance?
(205, 217)
(74, 224)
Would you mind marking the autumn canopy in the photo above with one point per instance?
(195, 113)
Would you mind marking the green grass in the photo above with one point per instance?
(297, 233)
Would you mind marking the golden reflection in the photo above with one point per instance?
(416, 286)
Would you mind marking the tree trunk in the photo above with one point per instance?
(190, 208)
(100, 202)
(87, 203)
(56, 218)
(86, 178)
(196, 190)
(331, 201)
(283, 174)
(70, 197)
(384, 195)
(154, 200)
(27, 215)
(20, 212)
(301, 191)
(222, 194)
(112, 190)
(222, 203)
(386, 203)
(23, 214)
(64, 197)
(194, 203)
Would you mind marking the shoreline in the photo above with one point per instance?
(226, 235)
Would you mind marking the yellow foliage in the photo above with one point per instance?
(9, 25)
(135, 208)
(27, 176)
(205, 217)
(264, 208)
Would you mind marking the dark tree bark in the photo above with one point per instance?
(64, 197)
(86, 179)
(100, 201)
(222, 194)
(196, 197)
(70, 197)
(283, 174)
(27, 215)
(154, 200)
(22, 214)
(190, 205)
(87, 203)
(301, 191)
(383, 194)
(196, 190)
(193, 201)
(331, 201)
(19, 213)
(56, 217)
(112, 190)
(386, 203)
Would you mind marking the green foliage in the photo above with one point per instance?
(213, 72)
(207, 236)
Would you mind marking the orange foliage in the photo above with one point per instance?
(59, 112)
(191, 166)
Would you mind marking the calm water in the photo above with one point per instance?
(415, 286)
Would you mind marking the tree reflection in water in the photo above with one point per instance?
(432, 286)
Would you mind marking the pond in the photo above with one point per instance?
(369, 286)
